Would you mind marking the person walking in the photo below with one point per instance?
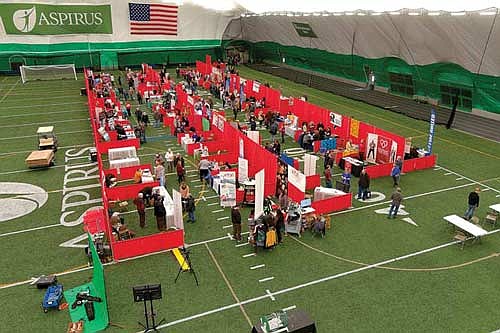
(236, 220)
(180, 172)
(190, 208)
(160, 173)
(363, 185)
(204, 169)
(280, 225)
(396, 174)
(141, 209)
(473, 202)
(169, 159)
(396, 198)
(328, 176)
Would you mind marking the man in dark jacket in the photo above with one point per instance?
(363, 185)
(190, 208)
(396, 198)
(473, 203)
(236, 220)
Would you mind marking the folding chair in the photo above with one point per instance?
(491, 217)
(460, 236)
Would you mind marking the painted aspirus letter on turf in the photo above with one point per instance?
(78, 177)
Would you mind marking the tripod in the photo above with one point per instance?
(185, 255)
(153, 326)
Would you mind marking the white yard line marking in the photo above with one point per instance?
(192, 176)
(289, 308)
(218, 211)
(227, 226)
(43, 105)
(486, 189)
(448, 173)
(212, 197)
(33, 136)
(242, 244)
(270, 294)
(212, 204)
(32, 229)
(45, 122)
(28, 170)
(230, 236)
(266, 279)
(8, 92)
(45, 113)
(472, 180)
(223, 218)
(497, 196)
(228, 284)
(249, 255)
(258, 266)
(198, 186)
(459, 178)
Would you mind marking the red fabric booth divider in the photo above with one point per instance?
(312, 182)
(94, 221)
(128, 191)
(127, 172)
(419, 163)
(147, 244)
(103, 147)
(379, 170)
(295, 194)
(333, 204)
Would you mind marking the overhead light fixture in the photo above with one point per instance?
(487, 13)
(361, 14)
(349, 13)
(325, 14)
(289, 14)
(395, 13)
(306, 14)
(457, 13)
(376, 14)
(413, 14)
(316, 14)
(337, 14)
(434, 13)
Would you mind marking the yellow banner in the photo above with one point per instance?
(354, 128)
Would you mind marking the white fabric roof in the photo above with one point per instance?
(260, 6)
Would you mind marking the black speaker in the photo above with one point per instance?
(147, 292)
(89, 310)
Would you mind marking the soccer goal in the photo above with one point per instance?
(47, 72)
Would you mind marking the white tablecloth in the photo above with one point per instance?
(168, 203)
(321, 193)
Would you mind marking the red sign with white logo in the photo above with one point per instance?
(383, 149)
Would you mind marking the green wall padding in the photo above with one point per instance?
(427, 79)
(109, 60)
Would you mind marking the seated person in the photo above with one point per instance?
(138, 176)
(110, 180)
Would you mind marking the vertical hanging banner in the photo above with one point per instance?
(254, 136)
(178, 221)
(242, 170)
(242, 148)
(372, 141)
(354, 130)
(432, 125)
(255, 86)
(259, 193)
(227, 188)
(42, 19)
(384, 146)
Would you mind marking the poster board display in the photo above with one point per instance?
(227, 188)
(242, 170)
(259, 193)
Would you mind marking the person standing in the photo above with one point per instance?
(473, 202)
(169, 158)
(396, 198)
(371, 150)
(280, 224)
(363, 185)
(328, 176)
(160, 214)
(395, 174)
(190, 208)
(141, 209)
(160, 173)
(236, 220)
(180, 172)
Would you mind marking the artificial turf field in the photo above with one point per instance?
(446, 289)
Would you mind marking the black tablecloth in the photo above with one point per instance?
(355, 169)
(298, 322)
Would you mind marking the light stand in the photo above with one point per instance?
(185, 255)
(148, 293)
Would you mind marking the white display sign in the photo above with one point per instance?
(259, 193)
(336, 119)
(178, 221)
(242, 148)
(242, 170)
(371, 146)
(255, 86)
(310, 164)
(190, 100)
(297, 178)
(227, 188)
(254, 136)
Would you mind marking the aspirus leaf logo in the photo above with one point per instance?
(19, 199)
(24, 19)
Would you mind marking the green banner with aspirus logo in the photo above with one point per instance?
(38, 19)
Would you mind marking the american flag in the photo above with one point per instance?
(153, 19)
